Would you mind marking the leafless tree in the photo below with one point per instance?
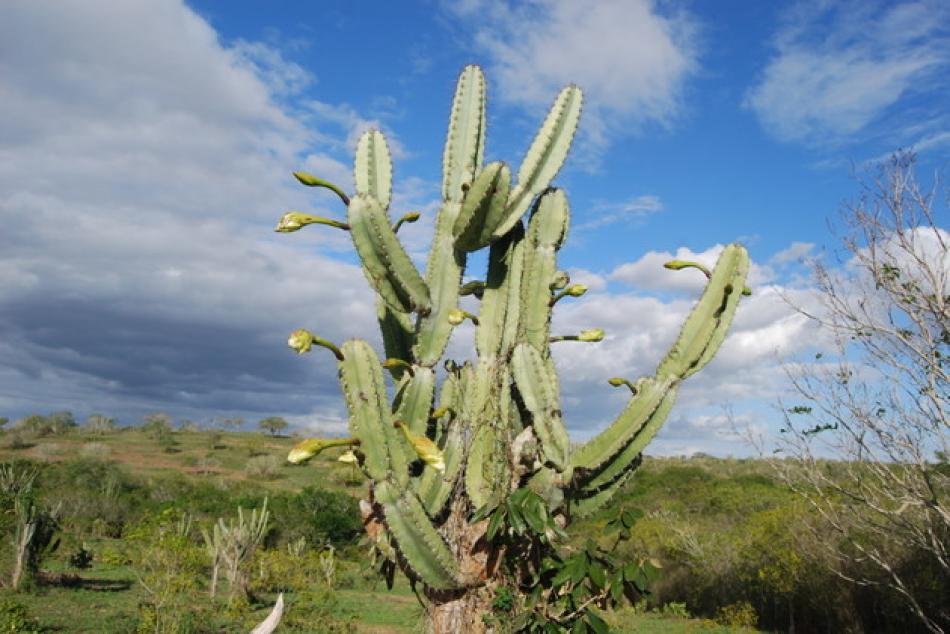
(868, 441)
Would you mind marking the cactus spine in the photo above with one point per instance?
(497, 420)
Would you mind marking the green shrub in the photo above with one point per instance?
(267, 467)
(740, 614)
(14, 617)
(317, 515)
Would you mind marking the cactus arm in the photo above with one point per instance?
(420, 544)
(612, 440)
(545, 156)
(461, 160)
(479, 481)
(496, 299)
(484, 203)
(705, 328)
(398, 331)
(373, 170)
(516, 260)
(443, 276)
(450, 402)
(384, 448)
(586, 506)
(465, 142)
(313, 181)
(385, 262)
(537, 384)
(603, 475)
(435, 488)
(546, 232)
(414, 400)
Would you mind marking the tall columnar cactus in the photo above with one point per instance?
(467, 484)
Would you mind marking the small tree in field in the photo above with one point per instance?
(877, 401)
(273, 424)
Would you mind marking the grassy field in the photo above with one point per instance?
(107, 597)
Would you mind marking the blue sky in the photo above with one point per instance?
(146, 148)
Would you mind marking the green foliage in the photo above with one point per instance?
(740, 614)
(169, 567)
(15, 618)
(54, 424)
(318, 516)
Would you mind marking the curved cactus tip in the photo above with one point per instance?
(457, 316)
(409, 218)
(310, 447)
(618, 381)
(427, 450)
(393, 363)
(574, 290)
(677, 265)
(302, 340)
(440, 412)
(296, 220)
(314, 181)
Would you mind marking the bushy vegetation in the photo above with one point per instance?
(733, 544)
(739, 547)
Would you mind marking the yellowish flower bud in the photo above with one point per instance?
(593, 335)
(427, 450)
(349, 457)
(292, 221)
(301, 340)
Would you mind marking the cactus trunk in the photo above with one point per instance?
(472, 477)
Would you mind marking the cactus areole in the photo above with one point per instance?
(472, 477)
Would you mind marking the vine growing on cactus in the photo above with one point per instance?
(472, 477)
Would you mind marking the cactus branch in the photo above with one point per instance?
(302, 340)
(617, 382)
(295, 220)
(575, 290)
(589, 336)
(312, 181)
(409, 217)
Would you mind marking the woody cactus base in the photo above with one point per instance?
(469, 491)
